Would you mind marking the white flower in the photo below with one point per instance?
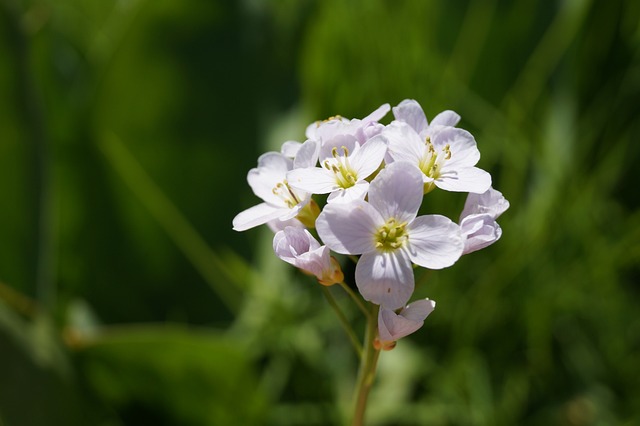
(478, 219)
(411, 113)
(268, 181)
(298, 247)
(345, 166)
(361, 130)
(446, 158)
(389, 236)
(393, 326)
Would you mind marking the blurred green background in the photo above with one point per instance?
(127, 128)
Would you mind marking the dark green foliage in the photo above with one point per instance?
(126, 132)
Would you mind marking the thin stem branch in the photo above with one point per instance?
(368, 365)
(356, 299)
(343, 320)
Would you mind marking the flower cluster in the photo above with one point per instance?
(376, 177)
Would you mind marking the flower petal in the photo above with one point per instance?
(290, 148)
(385, 278)
(392, 326)
(404, 143)
(349, 228)
(435, 242)
(292, 242)
(278, 225)
(491, 202)
(356, 192)
(307, 155)
(272, 168)
(397, 191)
(464, 150)
(257, 215)
(418, 310)
(378, 114)
(366, 159)
(410, 112)
(339, 142)
(314, 180)
(446, 118)
(469, 179)
(481, 230)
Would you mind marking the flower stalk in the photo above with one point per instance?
(368, 365)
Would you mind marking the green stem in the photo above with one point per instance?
(368, 364)
(356, 299)
(343, 320)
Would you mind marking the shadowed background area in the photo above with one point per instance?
(127, 129)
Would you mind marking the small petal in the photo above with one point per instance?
(349, 228)
(392, 326)
(307, 155)
(377, 115)
(491, 202)
(339, 142)
(404, 142)
(291, 242)
(481, 230)
(410, 112)
(464, 150)
(446, 118)
(385, 278)
(278, 225)
(290, 148)
(418, 310)
(356, 192)
(397, 191)
(469, 179)
(313, 180)
(272, 168)
(367, 158)
(435, 242)
(257, 215)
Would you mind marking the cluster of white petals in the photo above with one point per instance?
(375, 177)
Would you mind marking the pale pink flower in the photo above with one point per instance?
(298, 247)
(393, 326)
(446, 159)
(410, 112)
(345, 167)
(362, 130)
(478, 219)
(389, 236)
(269, 182)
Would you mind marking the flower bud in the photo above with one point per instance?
(298, 247)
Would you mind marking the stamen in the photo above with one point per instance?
(391, 236)
(285, 193)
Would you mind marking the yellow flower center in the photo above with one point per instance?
(391, 236)
(432, 161)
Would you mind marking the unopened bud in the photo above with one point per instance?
(309, 214)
